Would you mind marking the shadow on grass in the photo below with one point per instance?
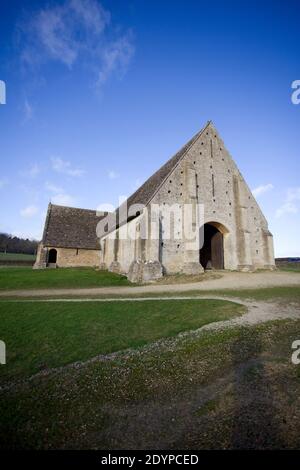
(256, 422)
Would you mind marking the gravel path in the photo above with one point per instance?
(229, 280)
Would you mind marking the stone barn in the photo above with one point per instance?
(69, 238)
(235, 234)
(198, 193)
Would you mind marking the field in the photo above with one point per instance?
(44, 335)
(289, 266)
(149, 373)
(28, 278)
(16, 257)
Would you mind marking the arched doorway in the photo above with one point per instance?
(52, 256)
(212, 251)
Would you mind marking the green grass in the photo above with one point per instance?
(291, 267)
(16, 257)
(41, 335)
(154, 393)
(28, 278)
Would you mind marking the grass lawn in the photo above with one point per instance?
(41, 335)
(222, 389)
(17, 256)
(28, 278)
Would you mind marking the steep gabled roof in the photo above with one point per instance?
(145, 193)
(70, 227)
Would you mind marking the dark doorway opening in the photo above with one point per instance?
(212, 252)
(52, 257)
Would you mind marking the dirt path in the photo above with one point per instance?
(229, 280)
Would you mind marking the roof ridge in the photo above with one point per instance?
(76, 208)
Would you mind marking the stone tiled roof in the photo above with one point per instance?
(69, 227)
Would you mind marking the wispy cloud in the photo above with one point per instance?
(77, 31)
(32, 171)
(291, 205)
(65, 167)
(63, 200)
(29, 211)
(53, 188)
(262, 189)
(59, 196)
(113, 175)
(28, 111)
(116, 56)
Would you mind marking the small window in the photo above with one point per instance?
(77, 251)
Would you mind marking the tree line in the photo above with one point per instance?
(11, 244)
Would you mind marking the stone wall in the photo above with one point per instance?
(68, 257)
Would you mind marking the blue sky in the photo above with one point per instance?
(101, 94)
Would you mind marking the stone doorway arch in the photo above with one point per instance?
(52, 256)
(212, 251)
